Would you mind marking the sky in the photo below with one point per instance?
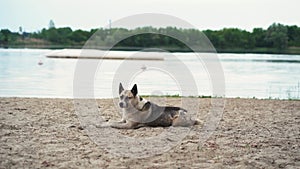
(34, 15)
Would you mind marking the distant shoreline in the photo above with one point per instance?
(155, 96)
(276, 39)
(288, 51)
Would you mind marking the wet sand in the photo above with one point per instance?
(38, 133)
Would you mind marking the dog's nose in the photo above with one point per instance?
(121, 104)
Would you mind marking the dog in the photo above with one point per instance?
(138, 112)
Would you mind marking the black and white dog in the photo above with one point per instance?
(138, 112)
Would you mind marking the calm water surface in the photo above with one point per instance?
(246, 75)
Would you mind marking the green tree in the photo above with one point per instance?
(259, 36)
(293, 35)
(64, 35)
(52, 35)
(80, 36)
(5, 34)
(276, 36)
(1, 38)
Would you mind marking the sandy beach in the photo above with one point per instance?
(39, 133)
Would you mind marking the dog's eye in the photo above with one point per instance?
(121, 97)
(130, 97)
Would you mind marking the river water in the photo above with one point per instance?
(29, 73)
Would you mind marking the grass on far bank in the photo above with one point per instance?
(290, 50)
(208, 96)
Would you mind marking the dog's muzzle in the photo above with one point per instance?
(122, 104)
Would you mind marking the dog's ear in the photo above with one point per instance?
(134, 90)
(121, 88)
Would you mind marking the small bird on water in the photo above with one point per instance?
(40, 63)
(144, 67)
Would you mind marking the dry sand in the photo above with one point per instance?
(38, 133)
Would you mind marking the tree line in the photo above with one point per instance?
(276, 38)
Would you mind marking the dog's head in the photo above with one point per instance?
(128, 98)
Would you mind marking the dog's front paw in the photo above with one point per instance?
(103, 125)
